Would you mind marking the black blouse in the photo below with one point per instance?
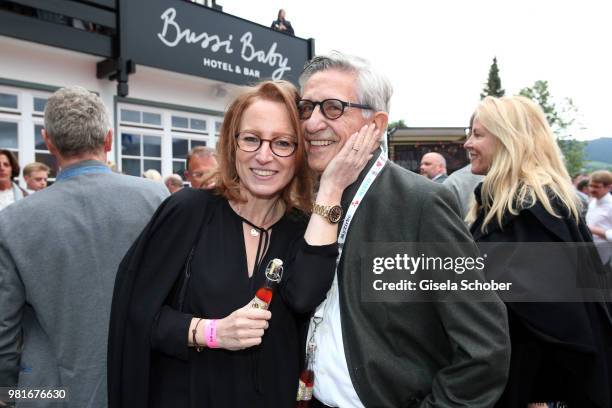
(266, 375)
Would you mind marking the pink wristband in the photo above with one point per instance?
(210, 334)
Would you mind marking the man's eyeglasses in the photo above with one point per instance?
(280, 146)
(199, 174)
(330, 108)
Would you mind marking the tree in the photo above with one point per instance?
(560, 116)
(395, 124)
(493, 86)
(573, 154)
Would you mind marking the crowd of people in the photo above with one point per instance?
(35, 176)
(129, 296)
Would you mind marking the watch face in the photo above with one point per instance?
(335, 213)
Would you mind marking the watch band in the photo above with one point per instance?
(333, 213)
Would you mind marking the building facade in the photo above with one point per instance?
(166, 69)
(407, 145)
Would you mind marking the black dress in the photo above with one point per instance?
(178, 376)
(560, 351)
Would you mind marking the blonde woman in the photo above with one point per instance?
(560, 351)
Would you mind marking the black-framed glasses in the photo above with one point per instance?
(330, 108)
(282, 146)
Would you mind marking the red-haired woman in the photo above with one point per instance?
(186, 342)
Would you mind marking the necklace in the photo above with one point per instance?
(255, 231)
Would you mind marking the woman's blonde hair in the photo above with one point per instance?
(298, 193)
(527, 165)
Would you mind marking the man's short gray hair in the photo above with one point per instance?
(76, 121)
(200, 151)
(373, 87)
(174, 180)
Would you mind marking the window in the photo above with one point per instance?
(39, 105)
(146, 118)
(154, 138)
(41, 154)
(21, 113)
(183, 140)
(151, 118)
(9, 136)
(139, 153)
(198, 124)
(140, 149)
(218, 126)
(9, 101)
(180, 149)
(180, 122)
(188, 123)
(130, 116)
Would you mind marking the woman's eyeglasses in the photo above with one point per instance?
(330, 108)
(280, 146)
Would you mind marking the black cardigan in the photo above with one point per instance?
(579, 334)
(149, 273)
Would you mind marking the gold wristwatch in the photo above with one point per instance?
(333, 213)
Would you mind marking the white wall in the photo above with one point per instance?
(169, 87)
(41, 64)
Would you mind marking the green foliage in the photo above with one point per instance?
(493, 86)
(573, 153)
(560, 116)
(395, 124)
(591, 166)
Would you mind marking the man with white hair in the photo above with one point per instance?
(391, 354)
(59, 252)
(433, 166)
(174, 182)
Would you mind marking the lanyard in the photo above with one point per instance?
(359, 195)
(77, 170)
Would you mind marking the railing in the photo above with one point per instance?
(86, 26)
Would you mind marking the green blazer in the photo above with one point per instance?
(405, 354)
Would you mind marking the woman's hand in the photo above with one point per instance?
(344, 168)
(243, 328)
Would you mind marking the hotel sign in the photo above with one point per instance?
(185, 37)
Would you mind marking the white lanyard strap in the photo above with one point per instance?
(361, 192)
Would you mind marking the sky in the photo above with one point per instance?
(437, 53)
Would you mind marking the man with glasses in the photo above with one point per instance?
(201, 163)
(391, 354)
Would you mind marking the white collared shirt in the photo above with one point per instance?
(600, 215)
(7, 197)
(332, 381)
(333, 385)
